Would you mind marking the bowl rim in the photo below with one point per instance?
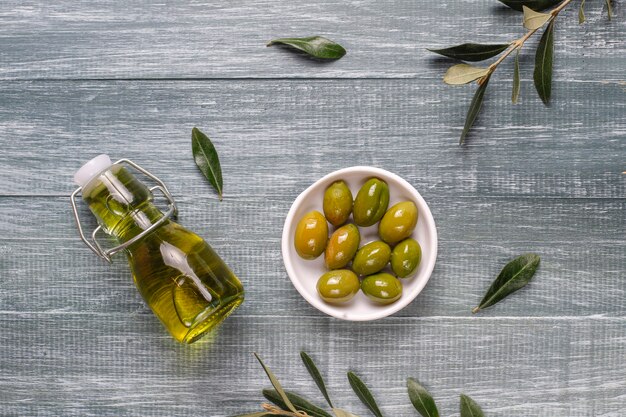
(383, 311)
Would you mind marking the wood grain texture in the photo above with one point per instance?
(124, 365)
(193, 39)
(580, 241)
(575, 148)
(132, 79)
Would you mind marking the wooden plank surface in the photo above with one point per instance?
(108, 365)
(312, 127)
(81, 78)
(581, 242)
(194, 39)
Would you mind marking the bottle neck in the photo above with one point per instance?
(121, 203)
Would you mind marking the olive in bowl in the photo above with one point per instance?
(305, 273)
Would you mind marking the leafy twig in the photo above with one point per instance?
(364, 394)
(519, 43)
(474, 108)
(543, 64)
(292, 405)
(421, 399)
(533, 21)
(609, 9)
(276, 385)
(300, 403)
(279, 412)
(317, 377)
(469, 408)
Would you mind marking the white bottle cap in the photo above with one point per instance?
(91, 169)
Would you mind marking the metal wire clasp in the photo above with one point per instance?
(95, 246)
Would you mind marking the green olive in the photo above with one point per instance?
(371, 258)
(398, 223)
(342, 246)
(337, 203)
(311, 235)
(371, 202)
(406, 257)
(382, 288)
(338, 286)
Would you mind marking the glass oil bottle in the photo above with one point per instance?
(181, 278)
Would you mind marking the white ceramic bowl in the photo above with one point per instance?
(305, 273)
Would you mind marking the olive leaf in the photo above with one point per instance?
(463, 74)
(315, 374)
(343, 413)
(516, 80)
(581, 13)
(421, 399)
(474, 109)
(537, 5)
(276, 385)
(205, 156)
(300, 403)
(543, 64)
(513, 276)
(472, 52)
(534, 20)
(257, 414)
(364, 394)
(469, 408)
(609, 9)
(316, 46)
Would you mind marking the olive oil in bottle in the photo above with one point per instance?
(181, 278)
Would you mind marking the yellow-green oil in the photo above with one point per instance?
(187, 285)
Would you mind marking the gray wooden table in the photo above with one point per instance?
(132, 78)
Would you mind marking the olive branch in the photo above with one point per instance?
(533, 20)
(292, 405)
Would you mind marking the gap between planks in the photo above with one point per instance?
(438, 79)
(592, 317)
(463, 197)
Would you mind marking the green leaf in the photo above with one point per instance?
(300, 403)
(513, 276)
(421, 399)
(534, 20)
(472, 52)
(364, 394)
(205, 156)
(609, 9)
(543, 64)
(463, 74)
(343, 413)
(257, 414)
(469, 408)
(315, 374)
(276, 385)
(474, 109)
(316, 46)
(516, 79)
(581, 13)
(537, 5)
